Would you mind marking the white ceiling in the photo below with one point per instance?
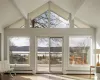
(86, 10)
(69, 5)
(8, 13)
(89, 12)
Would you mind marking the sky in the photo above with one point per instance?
(44, 42)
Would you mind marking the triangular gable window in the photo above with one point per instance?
(49, 20)
(40, 21)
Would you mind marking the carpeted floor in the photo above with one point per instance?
(45, 77)
(35, 77)
(7, 77)
(83, 76)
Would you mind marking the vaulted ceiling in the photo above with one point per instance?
(85, 10)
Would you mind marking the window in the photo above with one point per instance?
(80, 49)
(43, 50)
(97, 53)
(0, 47)
(51, 20)
(19, 50)
(58, 22)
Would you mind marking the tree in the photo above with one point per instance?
(83, 48)
(47, 18)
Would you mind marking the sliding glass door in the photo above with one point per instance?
(55, 54)
(42, 54)
(49, 54)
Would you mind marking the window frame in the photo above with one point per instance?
(91, 51)
(8, 49)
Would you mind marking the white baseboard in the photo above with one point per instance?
(78, 72)
(67, 72)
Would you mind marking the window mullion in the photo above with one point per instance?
(49, 15)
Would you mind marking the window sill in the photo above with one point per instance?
(20, 65)
(86, 65)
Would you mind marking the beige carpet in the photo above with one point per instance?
(7, 77)
(35, 77)
(78, 77)
(43, 77)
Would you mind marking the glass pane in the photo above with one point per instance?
(55, 54)
(21, 58)
(57, 21)
(80, 48)
(40, 21)
(97, 54)
(43, 54)
(0, 48)
(19, 50)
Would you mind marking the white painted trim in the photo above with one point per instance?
(49, 6)
(38, 11)
(79, 72)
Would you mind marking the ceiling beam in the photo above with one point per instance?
(19, 9)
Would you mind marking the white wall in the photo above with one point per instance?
(49, 32)
(2, 43)
(98, 38)
(33, 33)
